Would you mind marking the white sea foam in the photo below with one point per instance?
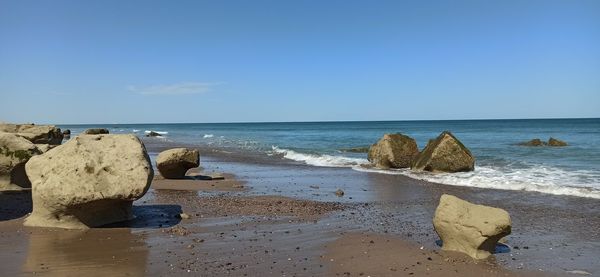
(135, 130)
(537, 178)
(318, 160)
(208, 136)
(159, 132)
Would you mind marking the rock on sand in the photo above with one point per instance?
(89, 181)
(393, 151)
(174, 163)
(445, 154)
(470, 228)
(15, 151)
(38, 134)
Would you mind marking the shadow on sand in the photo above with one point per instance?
(151, 216)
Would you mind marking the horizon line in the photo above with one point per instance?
(325, 121)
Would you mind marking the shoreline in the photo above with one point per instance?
(564, 227)
(287, 220)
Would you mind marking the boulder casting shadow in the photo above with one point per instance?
(15, 205)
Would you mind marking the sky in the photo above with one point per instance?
(67, 62)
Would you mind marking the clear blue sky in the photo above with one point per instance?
(231, 61)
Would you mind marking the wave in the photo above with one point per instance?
(535, 178)
(159, 132)
(318, 160)
(542, 179)
(135, 130)
(208, 136)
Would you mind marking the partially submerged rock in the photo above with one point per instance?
(533, 142)
(96, 131)
(393, 151)
(153, 134)
(362, 149)
(174, 163)
(556, 142)
(89, 181)
(470, 228)
(38, 134)
(445, 154)
(15, 151)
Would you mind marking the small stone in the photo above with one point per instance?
(184, 216)
(339, 193)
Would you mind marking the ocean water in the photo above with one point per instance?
(500, 162)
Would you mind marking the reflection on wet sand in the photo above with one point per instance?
(109, 252)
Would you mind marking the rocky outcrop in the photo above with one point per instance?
(533, 142)
(38, 134)
(174, 163)
(96, 131)
(89, 181)
(556, 142)
(15, 151)
(470, 228)
(393, 151)
(67, 133)
(445, 154)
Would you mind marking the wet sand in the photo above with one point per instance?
(287, 220)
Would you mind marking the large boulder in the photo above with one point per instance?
(96, 131)
(470, 228)
(393, 151)
(15, 151)
(89, 181)
(174, 163)
(445, 154)
(38, 134)
(556, 142)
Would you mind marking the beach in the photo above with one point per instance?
(272, 216)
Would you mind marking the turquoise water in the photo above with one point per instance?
(500, 163)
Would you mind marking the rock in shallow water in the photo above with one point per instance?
(89, 181)
(174, 163)
(393, 151)
(556, 142)
(96, 131)
(470, 228)
(445, 154)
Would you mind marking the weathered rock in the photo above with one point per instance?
(445, 154)
(339, 193)
(15, 151)
(174, 163)
(89, 181)
(96, 131)
(67, 133)
(38, 134)
(470, 228)
(556, 142)
(533, 142)
(153, 134)
(393, 151)
(45, 147)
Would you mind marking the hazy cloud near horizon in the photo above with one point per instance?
(175, 89)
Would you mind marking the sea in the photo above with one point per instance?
(501, 163)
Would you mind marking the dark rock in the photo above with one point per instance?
(153, 134)
(393, 151)
(533, 142)
(556, 142)
(96, 131)
(445, 154)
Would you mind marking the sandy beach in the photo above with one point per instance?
(274, 217)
